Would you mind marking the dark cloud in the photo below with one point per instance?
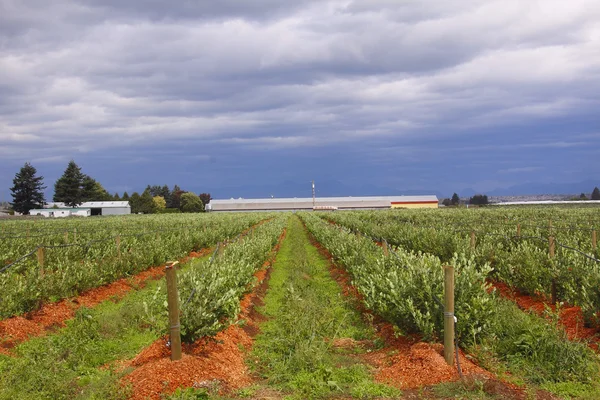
(335, 88)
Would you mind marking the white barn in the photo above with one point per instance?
(61, 212)
(100, 207)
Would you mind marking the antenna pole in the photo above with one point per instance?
(313, 190)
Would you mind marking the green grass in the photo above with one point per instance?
(306, 312)
(74, 363)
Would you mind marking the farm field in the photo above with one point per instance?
(307, 305)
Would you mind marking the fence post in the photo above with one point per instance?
(385, 248)
(594, 242)
(173, 305)
(449, 314)
(551, 247)
(74, 234)
(472, 239)
(518, 230)
(66, 237)
(40, 256)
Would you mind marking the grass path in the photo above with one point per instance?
(298, 351)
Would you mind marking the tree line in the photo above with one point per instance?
(482, 199)
(74, 188)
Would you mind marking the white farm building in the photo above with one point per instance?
(324, 203)
(94, 208)
(61, 212)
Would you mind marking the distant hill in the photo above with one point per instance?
(329, 188)
(525, 189)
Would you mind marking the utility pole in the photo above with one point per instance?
(313, 190)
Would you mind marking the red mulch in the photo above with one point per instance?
(570, 317)
(51, 316)
(206, 361)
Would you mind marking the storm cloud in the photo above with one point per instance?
(404, 94)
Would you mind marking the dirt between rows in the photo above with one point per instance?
(569, 317)
(52, 316)
(213, 363)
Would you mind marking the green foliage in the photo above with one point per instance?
(191, 203)
(159, 203)
(455, 199)
(596, 194)
(402, 292)
(68, 188)
(210, 293)
(187, 394)
(28, 190)
(479, 199)
(93, 190)
(70, 270)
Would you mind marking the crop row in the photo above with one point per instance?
(210, 291)
(97, 259)
(523, 262)
(402, 288)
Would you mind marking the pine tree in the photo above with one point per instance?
(455, 199)
(596, 194)
(28, 190)
(68, 188)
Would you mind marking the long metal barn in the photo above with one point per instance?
(324, 203)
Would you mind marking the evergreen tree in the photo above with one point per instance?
(68, 188)
(146, 204)
(116, 197)
(125, 196)
(92, 190)
(134, 202)
(28, 190)
(596, 194)
(455, 200)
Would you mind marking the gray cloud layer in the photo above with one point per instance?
(81, 76)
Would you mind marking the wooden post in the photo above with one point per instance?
(66, 236)
(594, 242)
(472, 239)
(518, 230)
(449, 314)
(75, 235)
(173, 305)
(550, 227)
(40, 256)
(551, 248)
(385, 248)
(118, 244)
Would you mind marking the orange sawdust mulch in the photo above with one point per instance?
(407, 363)
(205, 361)
(53, 315)
(570, 317)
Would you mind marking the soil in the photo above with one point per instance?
(570, 317)
(52, 316)
(216, 363)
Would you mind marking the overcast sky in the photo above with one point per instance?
(407, 95)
